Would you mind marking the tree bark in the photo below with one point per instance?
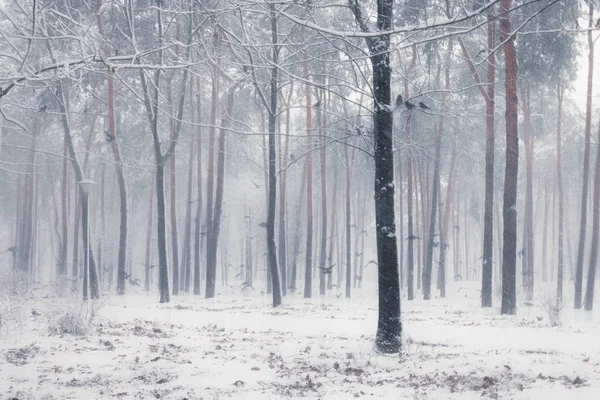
(509, 252)
(591, 278)
(198, 218)
(309, 189)
(271, 246)
(586, 163)
(210, 172)
(389, 325)
(561, 207)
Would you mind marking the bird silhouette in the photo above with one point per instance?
(43, 108)
(327, 270)
(423, 106)
(399, 100)
(409, 105)
(12, 249)
(109, 137)
(317, 104)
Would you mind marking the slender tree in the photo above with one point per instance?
(509, 252)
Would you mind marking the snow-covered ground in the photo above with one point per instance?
(237, 347)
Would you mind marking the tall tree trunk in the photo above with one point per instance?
(432, 216)
(248, 262)
(332, 230)
(545, 234)
(309, 189)
(282, 196)
(187, 240)
(215, 229)
(198, 218)
(210, 172)
(298, 231)
(271, 247)
(586, 162)
(323, 153)
(389, 325)
(163, 269)
(410, 261)
(173, 193)
(509, 252)
(148, 266)
(591, 278)
(488, 217)
(122, 187)
(561, 207)
(64, 198)
(349, 164)
(528, 249)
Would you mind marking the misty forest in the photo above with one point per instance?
(322, 199)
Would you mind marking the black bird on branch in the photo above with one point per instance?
(399, 100)
(43, 108)
(109, 137)
(409, 105)
(424, 106)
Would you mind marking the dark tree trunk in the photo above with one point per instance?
(488, 214)
(297, 232)
(148, 266)
(64, 198)
(249, 272)
(349, 164)
(591, 278)
(389, 325)
(545, 234)
(173, 196)
(187, 237)
(282, 199)
(410, 261)
(198, 218)
(323, 154)
(210, 265)
(561, 207)
(163, 263)
(333, 228)
(586, 163)
(432, 217)
(528, 250)
(509, 252)
(271, 247)
(122, 187)
(213, 243)
(309, 190)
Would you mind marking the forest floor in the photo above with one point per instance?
(238, 347)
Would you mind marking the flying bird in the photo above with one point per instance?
(327, 270)
(423, 106)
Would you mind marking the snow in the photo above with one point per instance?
(237, 347)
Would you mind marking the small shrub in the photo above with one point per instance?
(13, 294)
(553, 307)
(78, 318)
(70, 324)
